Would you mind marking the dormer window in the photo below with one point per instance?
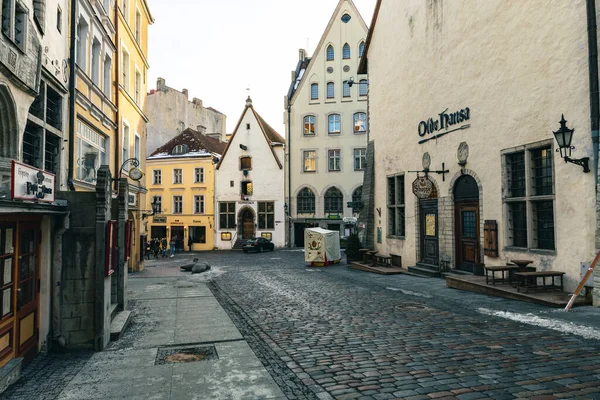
(180, 149)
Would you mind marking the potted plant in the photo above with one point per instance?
(353, 246)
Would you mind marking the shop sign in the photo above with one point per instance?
(28, 183)
(422, 187)
(333, 216)
(444, 121)
(245, 202)
(159, 220)
(350, 220)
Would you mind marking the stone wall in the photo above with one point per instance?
(367, 214)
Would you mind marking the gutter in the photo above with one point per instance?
(117, 114)
(72, 95)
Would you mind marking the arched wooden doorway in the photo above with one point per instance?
(466, 223)
(246, 223)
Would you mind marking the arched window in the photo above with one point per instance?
(356, 197)
(330, 90)
(361, 49)
(346, 51)
(333, 200)
(314, 91)
(309, 125)
(363, 89)
(334, 123)
(346, 91)
(180, 149)
(360, 122)
(305, 202)
(330, 53)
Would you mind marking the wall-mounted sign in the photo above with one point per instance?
(28, 183)
(444, 122)
(159, 220)
(422, 187)
(245, 202)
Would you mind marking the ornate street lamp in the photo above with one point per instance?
(563, 137)
(154, 205)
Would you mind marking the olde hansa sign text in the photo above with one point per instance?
(443, 124)
(28, 183)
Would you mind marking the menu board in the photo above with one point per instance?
(7, 276)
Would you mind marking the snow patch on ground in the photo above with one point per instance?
(208, 275)
(409, 292)
(556, 325)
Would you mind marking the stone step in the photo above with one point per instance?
(119, 323)
(10, 373)
(425, 270)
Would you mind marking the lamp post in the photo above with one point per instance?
(154, 206)
(563, 137)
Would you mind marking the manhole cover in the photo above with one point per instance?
(177, 355)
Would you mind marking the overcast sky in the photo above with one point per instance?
(217, 49)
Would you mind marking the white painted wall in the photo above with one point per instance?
(518, 66)
(266, 177)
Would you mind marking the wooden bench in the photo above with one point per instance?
(529, 280)
(383, 261)
(503, 269)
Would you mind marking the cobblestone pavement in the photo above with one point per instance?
(325, 333)
(349, 334)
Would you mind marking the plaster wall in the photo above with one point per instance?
(347, 179)
(518, 66)
(170, 113)
(266, 176)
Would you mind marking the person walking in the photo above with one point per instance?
(172, 243)
(190, 242)
(148, 249)
(164, 246)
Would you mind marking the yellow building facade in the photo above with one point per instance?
(133, 18)
(181, 178)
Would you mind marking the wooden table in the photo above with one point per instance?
(522, 264)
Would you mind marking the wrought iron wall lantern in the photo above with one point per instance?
(155, 209)
(563, 137)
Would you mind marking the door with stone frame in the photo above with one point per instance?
(247, 223)
(428, 212)
(466, 224)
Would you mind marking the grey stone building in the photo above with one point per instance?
(170, 112)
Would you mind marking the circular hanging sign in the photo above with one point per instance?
(135, 174)
(422, 187)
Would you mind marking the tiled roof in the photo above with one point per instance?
(271, 133)
(195, 142)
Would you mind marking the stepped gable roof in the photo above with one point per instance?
(197, 144)
(273, 138)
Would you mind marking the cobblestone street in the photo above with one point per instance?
(323, 333)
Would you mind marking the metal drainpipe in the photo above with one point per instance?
(117, 147)
(289, 219)
(593, 73)
(72, 93)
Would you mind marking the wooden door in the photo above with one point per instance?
(429, 232)
(466, 216)
(247, 224)
(28, 288)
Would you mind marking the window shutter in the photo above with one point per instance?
(490, 237)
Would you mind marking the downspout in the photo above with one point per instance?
(118, 114)
(594, 91)
(72, 94)
(289, 160)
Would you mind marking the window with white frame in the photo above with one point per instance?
(138, 88)
(314, 91)
(360, 159)
(106, 78)
(330, 53)
(363, 87)
(125, 142)
(125, 70)
(137, 146)
(96, 47)
(266, 215)
(199, 204)
(81, 45)
(138, 27)
(91, 149)
(529, 197)
(346, 89)
(157, 177)
(157, 200)
(330, 90)
(177, 204)
(199, 175)
(334, 124)
(334, 160)
(346, 51)
(177, 175)
(310, 160)
(360, 122)
(396, 206)
(309, 125)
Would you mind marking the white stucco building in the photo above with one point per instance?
(249, 184)
(326, 128)
(170, 112)
(476, 90)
